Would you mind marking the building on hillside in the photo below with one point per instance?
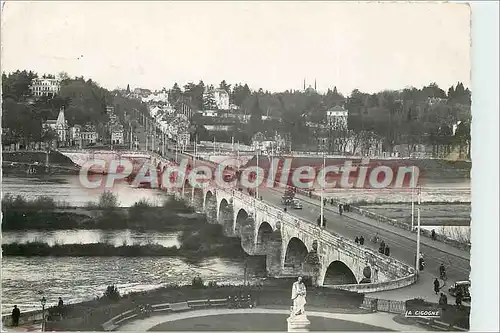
(435, 100)
(156, 97)
(337, 117)
(75, 138)
(183, 139)
(88, 135)
(117, 134)
(60, 126)
(309, 90)
(45, 87)
(221, 99)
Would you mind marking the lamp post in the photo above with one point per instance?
(418, 232)
(323, 190)
(43, 301)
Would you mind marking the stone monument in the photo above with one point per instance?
(298, 322)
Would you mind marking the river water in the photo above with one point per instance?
(76, 279)
(117, 238)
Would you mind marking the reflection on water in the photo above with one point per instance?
(25, 279)
(115, 237)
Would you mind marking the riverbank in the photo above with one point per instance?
(206, 240)
(36, 156)
(44, 213)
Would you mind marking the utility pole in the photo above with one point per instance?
(412, 200)
(322, 215)
(257, 187)
(418, 232)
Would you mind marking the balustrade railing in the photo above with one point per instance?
(325, 236)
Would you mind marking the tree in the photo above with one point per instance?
(240, 94)
(17, 84)
(63, 76)
(175, 94)
(209, 102)
(224, 86)
(108, 200)
(255, 117)
(463, 137)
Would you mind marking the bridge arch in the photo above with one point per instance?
(264, 233)
(211, 206)
(241, 220)
(339, 273)
(296, 252)
(225, 216)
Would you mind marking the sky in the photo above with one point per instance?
(268, 45)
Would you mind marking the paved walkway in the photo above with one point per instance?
(24, 328)
(379, 319)
(402, 247)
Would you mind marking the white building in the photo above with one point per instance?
(221, 99)
(337, 116)
(60, 126)
(75, 135)
(88, 135)
(117, 135)
(45, 87)
(183, 139)
(156, 97)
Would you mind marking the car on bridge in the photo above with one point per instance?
(296, 204)
(462, 286)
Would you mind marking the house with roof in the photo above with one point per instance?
(221, 99)
(337, 116)
(60, 126)
(88, 135)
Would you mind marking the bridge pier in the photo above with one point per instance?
(275, 259)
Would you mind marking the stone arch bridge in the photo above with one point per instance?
(294, 247)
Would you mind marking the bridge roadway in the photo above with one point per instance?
(402, 247)
(402, 243)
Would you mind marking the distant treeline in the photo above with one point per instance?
(44, 213)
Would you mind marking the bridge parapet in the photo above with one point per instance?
(389, 272)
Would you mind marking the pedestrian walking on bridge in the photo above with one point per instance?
(361, 240)
(436, 286)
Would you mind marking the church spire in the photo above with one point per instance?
(314, 84)
(304, 84)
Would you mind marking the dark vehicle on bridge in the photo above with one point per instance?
(287, 198)
(461, 286)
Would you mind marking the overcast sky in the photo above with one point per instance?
(273, 46)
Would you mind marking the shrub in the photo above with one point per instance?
(112, 293)
(108, 200)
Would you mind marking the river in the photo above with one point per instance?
(115, 237)
(76, 279)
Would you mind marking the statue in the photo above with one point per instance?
(298, 297)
